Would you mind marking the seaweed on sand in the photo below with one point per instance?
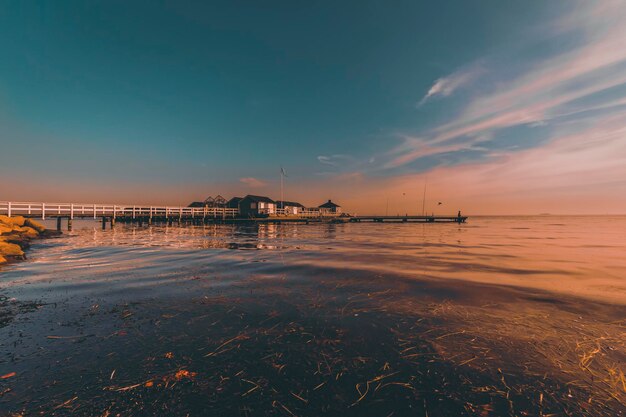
(338, 347)
(10, 308)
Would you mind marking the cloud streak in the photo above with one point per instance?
(336, 160)
(540, 96)
(445, 86)
(253, 182)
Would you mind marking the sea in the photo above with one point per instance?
(500, 316)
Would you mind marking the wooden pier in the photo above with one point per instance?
(141, 214)
(405, 219)
(111, 213)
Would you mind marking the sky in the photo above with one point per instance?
(489, 107)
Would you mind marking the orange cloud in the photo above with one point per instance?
(253, 182)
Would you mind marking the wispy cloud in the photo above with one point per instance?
(541, 95)
(253, 182)
(583, 162)
(342, 167)
(445, 86)
(336, 160)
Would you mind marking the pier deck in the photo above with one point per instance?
(81, 210)
(404, 219)
(196, 215)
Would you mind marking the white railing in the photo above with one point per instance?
(286, 212)
(73, 210)
(304, 213)
(309, 213)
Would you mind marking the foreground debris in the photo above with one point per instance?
(278, 349)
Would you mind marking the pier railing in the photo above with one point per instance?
(82, 210)
(141, 212)
(308, 214)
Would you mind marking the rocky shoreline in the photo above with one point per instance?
(16, 233)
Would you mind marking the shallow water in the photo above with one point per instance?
(499, 316)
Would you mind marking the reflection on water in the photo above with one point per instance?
(499, 316)
(573, 255)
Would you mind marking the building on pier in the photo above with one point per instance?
(234, 203)
(329, 208)
(256, 206)
(290, 207)
(211, 202)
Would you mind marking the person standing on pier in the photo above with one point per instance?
(459, 216)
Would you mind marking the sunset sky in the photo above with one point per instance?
(499, 107)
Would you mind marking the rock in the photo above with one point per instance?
(20, 240)
(25, 230)
(16, 229)
(50, 233)
(14, 220)
(35, 225)
(29, 232)
(10, 249)
(16, 234)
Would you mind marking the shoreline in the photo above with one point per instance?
(166, 321)
(16, 235)
(432, 342)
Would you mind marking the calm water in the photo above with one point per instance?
(499, 316)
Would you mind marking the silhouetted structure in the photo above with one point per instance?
(329, 207)
(256, 206)
(211, 202)
(219, 201)
(233, 202)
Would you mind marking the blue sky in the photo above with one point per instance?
(213, 97)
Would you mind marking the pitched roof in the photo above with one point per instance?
(288, 204)
(235, 199)
(258, 198)
(329, 204)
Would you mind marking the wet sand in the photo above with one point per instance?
(247, 326)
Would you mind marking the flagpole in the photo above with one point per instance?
(424, 197)
(282, 197)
